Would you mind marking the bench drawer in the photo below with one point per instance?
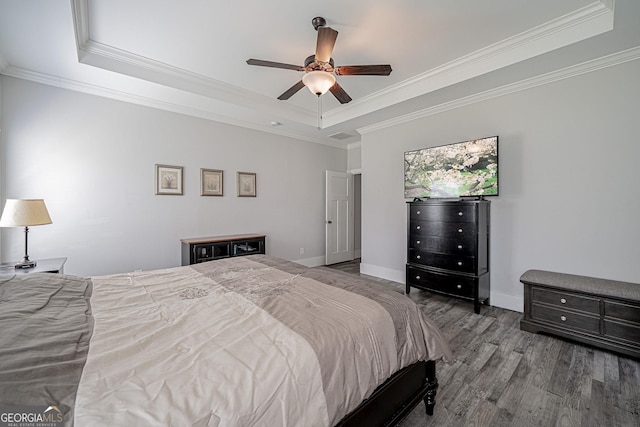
(566, 300)
(566, 318)
(622, 311)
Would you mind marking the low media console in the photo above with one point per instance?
(201, 249)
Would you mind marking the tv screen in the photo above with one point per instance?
(464, 169)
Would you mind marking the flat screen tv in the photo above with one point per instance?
(463, 169)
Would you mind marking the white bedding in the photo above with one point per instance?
(230, 344)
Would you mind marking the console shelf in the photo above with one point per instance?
(201, 249)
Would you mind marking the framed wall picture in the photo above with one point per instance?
(169, 179)
(210, 182)
(246, 184)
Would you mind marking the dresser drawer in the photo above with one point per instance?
(566, 318)
(463, 264)
(455, 246)
(450, 284)
(462, 230)
(564, 300)
(443, 213)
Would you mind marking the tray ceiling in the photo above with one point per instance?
(192, 59)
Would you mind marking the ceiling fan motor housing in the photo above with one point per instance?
(318, 22)
(310, 64)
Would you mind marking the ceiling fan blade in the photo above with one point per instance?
(272, 64)
(293, 89)
(363, 70)
(340, 94)
(324, 46)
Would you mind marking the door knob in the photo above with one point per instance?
(329, 222)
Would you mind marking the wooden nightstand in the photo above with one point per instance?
(51, 265)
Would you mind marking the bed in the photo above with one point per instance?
(243, 341)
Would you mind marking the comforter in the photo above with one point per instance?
(236, 342)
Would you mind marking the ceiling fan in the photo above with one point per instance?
(319, 68)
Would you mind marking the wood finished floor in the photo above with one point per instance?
(503, 376)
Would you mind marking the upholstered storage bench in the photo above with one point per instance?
(599, 312)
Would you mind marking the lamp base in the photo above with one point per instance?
(25, 264)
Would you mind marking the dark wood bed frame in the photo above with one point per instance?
(397, 397)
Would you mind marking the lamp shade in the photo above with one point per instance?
(24, 213)
(318, 82)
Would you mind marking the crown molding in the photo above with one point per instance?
(127, 63)
(611, 60)
(585, 22)
(156, 103)
(588, 21)
(120, 61)
(578, 25)
(80, 16)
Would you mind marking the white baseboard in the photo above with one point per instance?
(311, 262)
(382, 272)
(510, 302)
(497, 299)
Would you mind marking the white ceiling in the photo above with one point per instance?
(189, 57)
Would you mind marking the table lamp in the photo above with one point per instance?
(25, 213)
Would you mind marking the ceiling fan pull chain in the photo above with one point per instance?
(319, 112)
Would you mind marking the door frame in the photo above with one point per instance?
(337, 220)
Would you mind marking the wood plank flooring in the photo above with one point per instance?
(503, 376)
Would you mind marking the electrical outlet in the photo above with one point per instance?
(301, 251)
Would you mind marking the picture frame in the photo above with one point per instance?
(246, 184)
(211, 182)
(169, 180)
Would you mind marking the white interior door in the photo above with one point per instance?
(339, 217)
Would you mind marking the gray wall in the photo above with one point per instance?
(92, 160)
(569, 188)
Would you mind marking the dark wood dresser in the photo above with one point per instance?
(201, 249)
(448, 248)
(603, 313)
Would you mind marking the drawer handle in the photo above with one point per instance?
(563, 301)
(418, 227)
(417, 256)
(459, 262)
(459, 246)
(417, 277)
(460, 214)
(459, 286)
(417, 212)
(459, 230)
(563, 318)
(418, 242)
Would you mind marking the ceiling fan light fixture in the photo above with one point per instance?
(318, 82)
